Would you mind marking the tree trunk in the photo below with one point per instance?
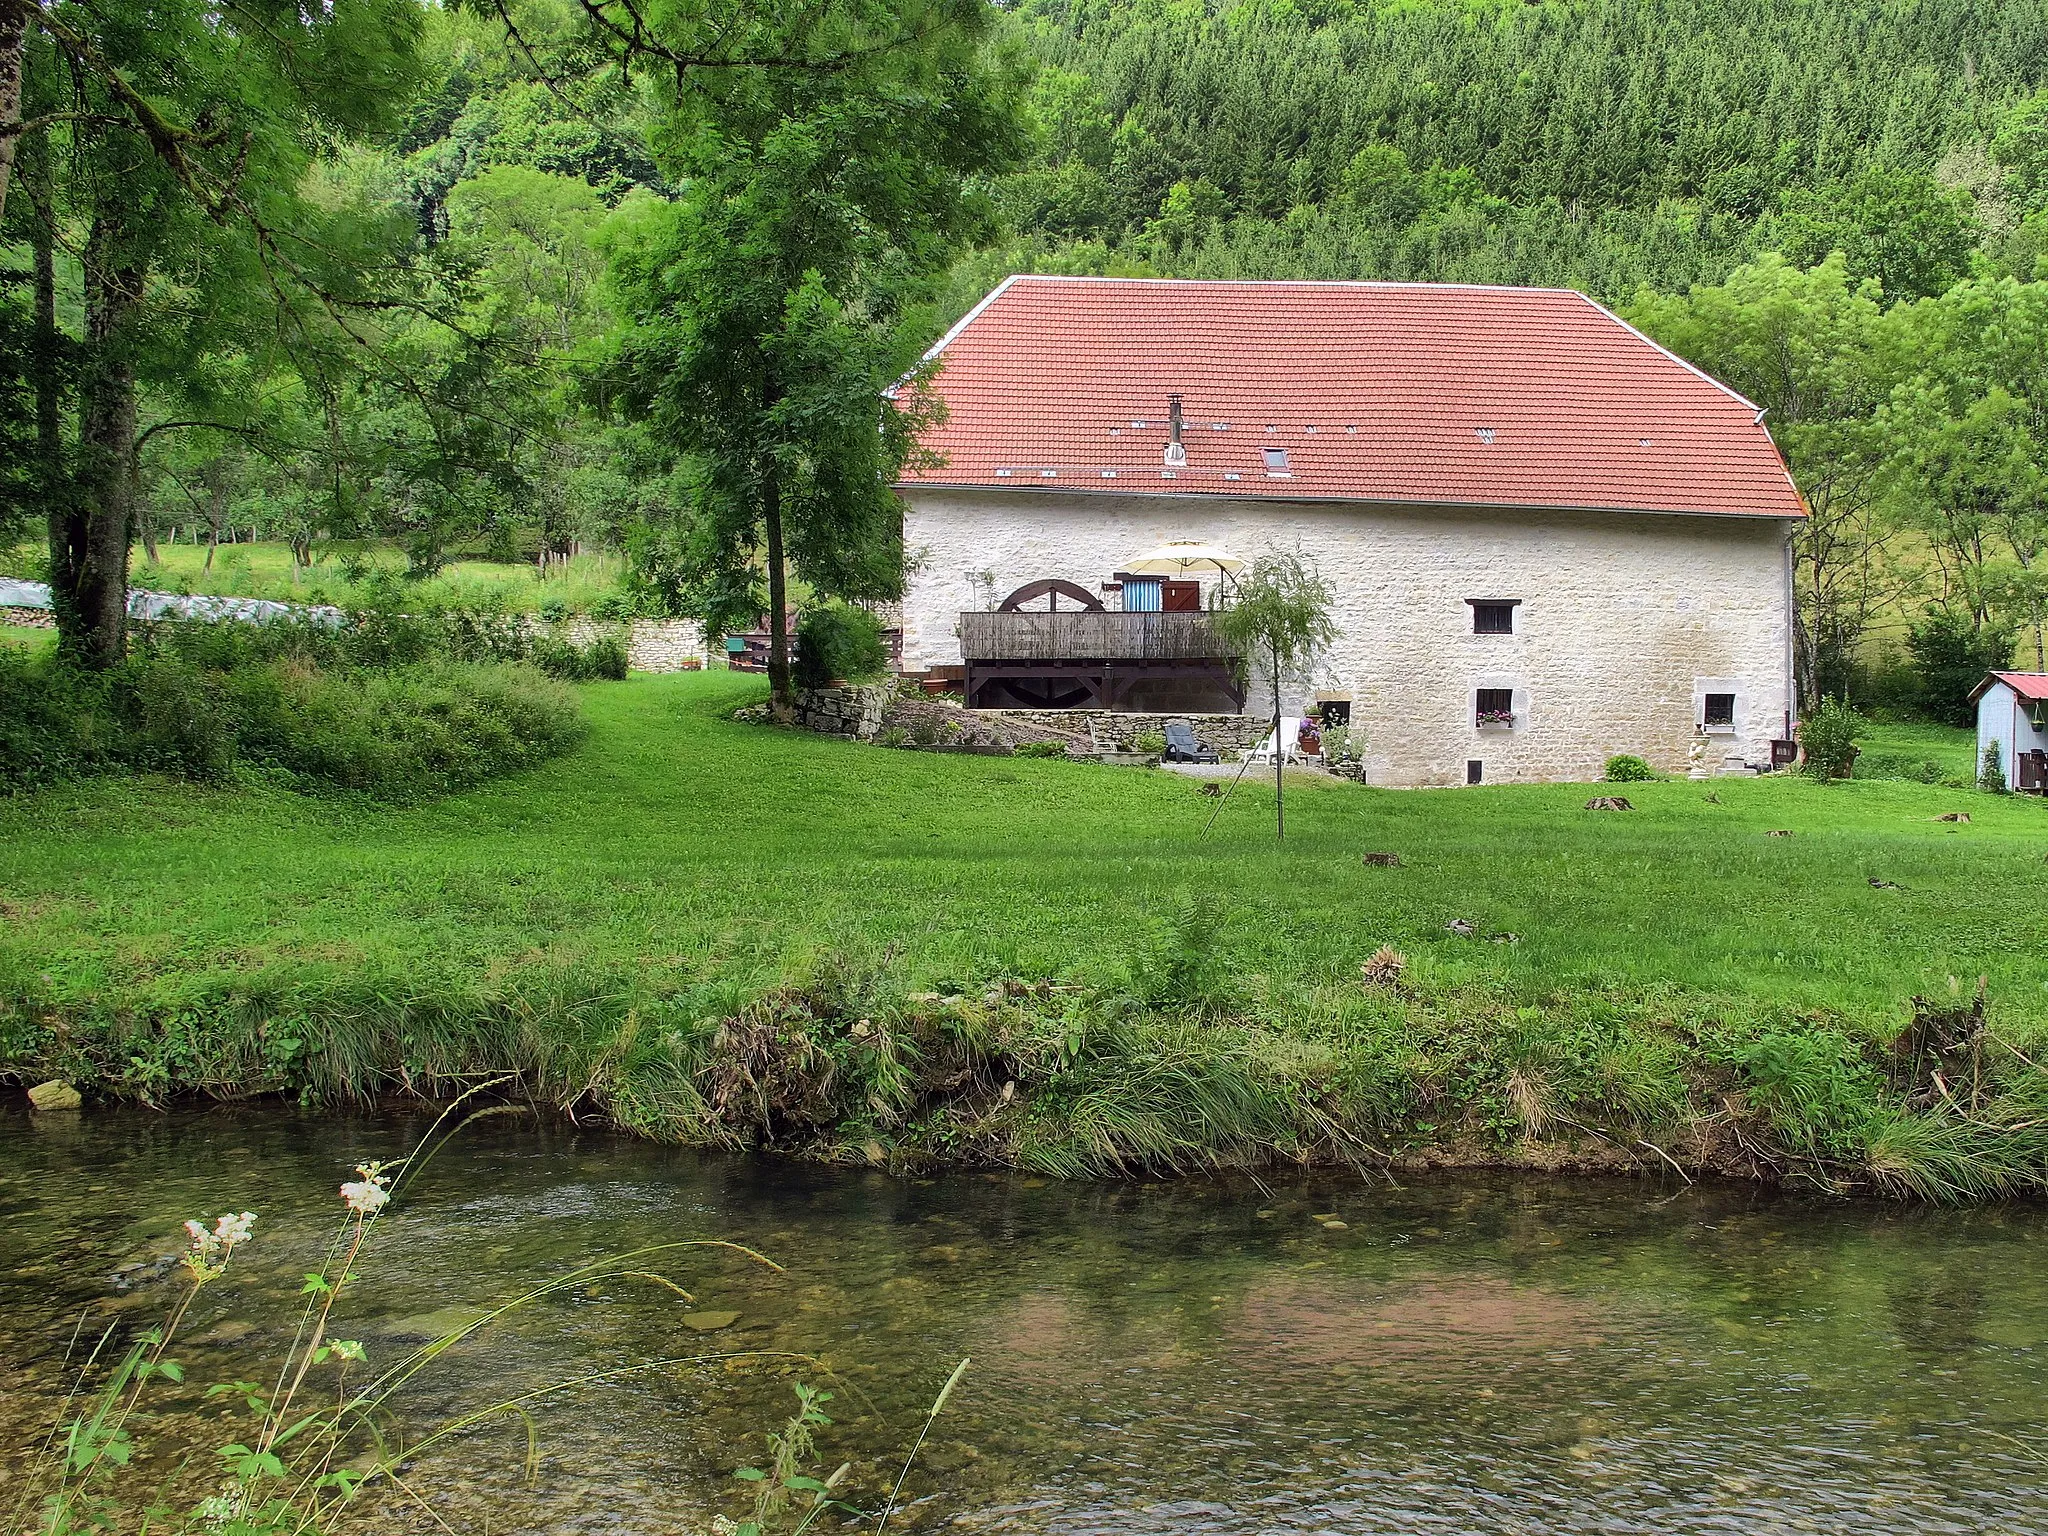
(216, 506)
(13, 39)
(778, 593)
(52, 484)
(103, 519)
(1279, 759)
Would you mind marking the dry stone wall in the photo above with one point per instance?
(1115, 731)
(652, 645)
(855, 712)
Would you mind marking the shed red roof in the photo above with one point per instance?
(1404, 392)
(2028, 685)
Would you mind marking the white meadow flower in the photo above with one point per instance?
(232, 1229)
(369, 1195)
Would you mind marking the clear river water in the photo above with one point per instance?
(1317, 1353)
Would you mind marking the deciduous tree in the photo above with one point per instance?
(823, 171)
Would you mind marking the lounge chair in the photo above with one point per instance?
(1183, 746)
(1290, 731)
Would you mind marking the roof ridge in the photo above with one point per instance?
(1275, 282)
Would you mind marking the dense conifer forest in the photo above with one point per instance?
(1604, 144)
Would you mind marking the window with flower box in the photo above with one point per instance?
(1494, 706)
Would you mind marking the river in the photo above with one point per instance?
(1312, 1354)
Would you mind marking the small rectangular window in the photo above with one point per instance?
(1494, 706)
(1720, 711)
(1492, 618)
(1276, 461)
(1475, 770)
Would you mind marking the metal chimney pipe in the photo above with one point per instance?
(1176, 452)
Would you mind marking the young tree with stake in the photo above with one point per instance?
(1281, 615)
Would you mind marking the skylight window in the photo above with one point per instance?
(1276, 461)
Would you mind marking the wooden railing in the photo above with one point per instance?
(1089, 637)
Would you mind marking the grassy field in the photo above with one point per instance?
(679, 868)
(265, 570)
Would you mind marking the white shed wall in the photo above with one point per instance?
(2006, 718)
(1626, 620)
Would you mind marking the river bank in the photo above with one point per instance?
(727, 935)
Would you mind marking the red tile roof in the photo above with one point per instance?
(2028, 685)
(1402, 392)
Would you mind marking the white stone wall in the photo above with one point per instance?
(1625, 620)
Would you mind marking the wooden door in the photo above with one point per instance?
(1181, 596)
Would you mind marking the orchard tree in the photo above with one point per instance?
(824, 156)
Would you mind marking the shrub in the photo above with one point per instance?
(604, 659)
(607, 659)
(1991, 772)
(1040, 749)
(836, 641)
(1951, 656)
(1829, 736)
(397, 734)
(1627, 768)
(1151, 743)
(615, 608)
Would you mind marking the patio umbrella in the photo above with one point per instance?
(1179, 556)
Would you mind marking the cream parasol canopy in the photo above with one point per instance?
(1178, 557)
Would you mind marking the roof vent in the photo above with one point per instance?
(1176, 450)
(1485, 434)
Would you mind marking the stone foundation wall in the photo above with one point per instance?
(855, 712)
(1114, 730)
(652, 645)
(28, 618)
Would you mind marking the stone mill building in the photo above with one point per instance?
(1551, 540)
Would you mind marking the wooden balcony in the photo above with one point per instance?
(1090, 637)
(1093, 660)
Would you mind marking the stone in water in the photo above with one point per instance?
(54, 1098)
(709, 1322)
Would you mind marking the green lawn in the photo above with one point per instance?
(679, 854)
(677, 838)
(1951, 746)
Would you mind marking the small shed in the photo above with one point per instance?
(2012, 718)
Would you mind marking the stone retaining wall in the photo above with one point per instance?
(1115, 730)
(652, 645)
(855, 712)
(28, 618)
